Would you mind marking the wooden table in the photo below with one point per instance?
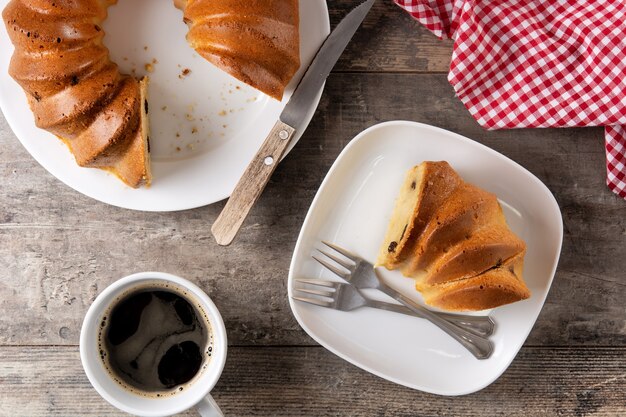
(58, 249)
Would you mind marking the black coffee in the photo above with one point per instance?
(155, 340)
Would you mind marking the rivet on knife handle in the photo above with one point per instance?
(252, 183)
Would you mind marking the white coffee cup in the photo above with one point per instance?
(197, 393)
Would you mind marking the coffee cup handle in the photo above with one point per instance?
(207, 407)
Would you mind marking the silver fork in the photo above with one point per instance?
(345, 297)
(361, 274)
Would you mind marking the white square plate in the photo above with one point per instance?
(352, 208)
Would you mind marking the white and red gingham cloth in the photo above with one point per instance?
(538, 63)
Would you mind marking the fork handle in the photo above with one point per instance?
(478, 346)
(479, 325)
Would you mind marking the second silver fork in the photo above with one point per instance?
(345, 297)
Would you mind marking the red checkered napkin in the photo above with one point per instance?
(531, 63)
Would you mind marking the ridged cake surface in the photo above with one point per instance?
(255, 41)
(73, 88)
(452, 238)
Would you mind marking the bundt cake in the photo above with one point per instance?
(73, 88)
(78, 94)
(255, 41)
(452, 238)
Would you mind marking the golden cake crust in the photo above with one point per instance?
(478, 253)
(255, 41)
(497, 286)
(73, 88)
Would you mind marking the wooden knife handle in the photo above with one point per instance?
(252, 183)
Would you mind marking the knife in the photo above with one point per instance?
(259, 171)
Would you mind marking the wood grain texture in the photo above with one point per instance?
(252, 183)
(389, 40)
(296, 381)
(58, 248)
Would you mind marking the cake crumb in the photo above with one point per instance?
(154, 61)
(145, 48)
(149, 67)
(164, 108)
(190, 146)
(189, 117)
(238, 88)
(222, 113)
(185, 72)
(194, 130)
(177, 134)
(224, 126)
(178, 149)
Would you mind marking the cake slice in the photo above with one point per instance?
(452, 238)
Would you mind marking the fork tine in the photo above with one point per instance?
(319, 282)
(342, 251)
(333, 269)
(337, 259)
(312, 291)
(321, 303)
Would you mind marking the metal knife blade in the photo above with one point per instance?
(326, 58)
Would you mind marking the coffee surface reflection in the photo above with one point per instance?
(155, 340)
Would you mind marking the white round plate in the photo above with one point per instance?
(205, 126)
(352, 208)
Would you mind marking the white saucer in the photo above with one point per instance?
(352, 208)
